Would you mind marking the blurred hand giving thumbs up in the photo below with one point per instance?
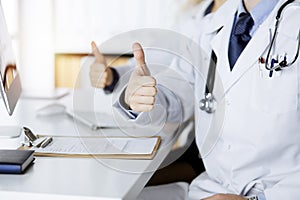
(100, 74)
(141, 90)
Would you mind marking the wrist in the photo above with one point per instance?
(110, 77)
(252, 198)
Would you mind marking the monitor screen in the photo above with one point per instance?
(10, 85)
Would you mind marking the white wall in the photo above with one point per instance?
(42, 27)
(98, 20)
(36, 44)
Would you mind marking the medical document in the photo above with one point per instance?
(100, 145)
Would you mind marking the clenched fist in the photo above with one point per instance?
(100, 74)
(141, 90)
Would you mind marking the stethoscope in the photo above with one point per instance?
(208, 103)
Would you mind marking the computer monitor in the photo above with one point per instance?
(10, 84)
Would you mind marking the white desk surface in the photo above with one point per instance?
(74, 178)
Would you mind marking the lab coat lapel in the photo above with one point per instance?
(220, 46)
(219, 42)
(255, 48)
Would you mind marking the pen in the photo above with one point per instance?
(38, 142)
(82, 120)
(261, 60)
(272, 65)
(47, 141)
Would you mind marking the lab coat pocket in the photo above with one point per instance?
(278, 93)
(275, 95)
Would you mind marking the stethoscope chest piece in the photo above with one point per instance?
(208, 104)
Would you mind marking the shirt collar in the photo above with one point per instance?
(260, 11)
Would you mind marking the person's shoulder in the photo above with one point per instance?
(290, 22)
(198, 11)
(190, 22)
(291, 10)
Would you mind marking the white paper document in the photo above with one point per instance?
(95, 145)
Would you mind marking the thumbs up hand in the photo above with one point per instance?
(141, 90)
(100, 74)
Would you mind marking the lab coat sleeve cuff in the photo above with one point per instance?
(124, 108)
(261, 196)
(109, 89)
(157, 116)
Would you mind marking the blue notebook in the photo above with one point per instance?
(15, 161)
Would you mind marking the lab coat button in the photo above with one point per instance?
(227, 102)
(229, 147)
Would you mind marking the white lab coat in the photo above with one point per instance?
(251, 144)
(257, 118)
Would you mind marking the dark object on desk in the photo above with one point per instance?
(15, 161)
(33, 140)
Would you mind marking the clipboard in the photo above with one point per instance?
(125, 147)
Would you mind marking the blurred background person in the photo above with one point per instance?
(193, 15)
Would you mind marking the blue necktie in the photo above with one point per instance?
(240, 36)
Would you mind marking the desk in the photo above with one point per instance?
(74, 178)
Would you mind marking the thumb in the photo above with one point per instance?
(139, 56)
(99, 58)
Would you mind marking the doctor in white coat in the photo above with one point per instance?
(251, 143)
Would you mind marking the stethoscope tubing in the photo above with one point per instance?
(207, 103)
